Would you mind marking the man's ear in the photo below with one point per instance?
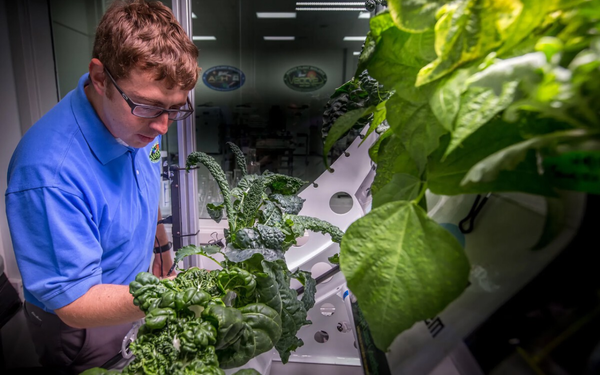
(98, 78)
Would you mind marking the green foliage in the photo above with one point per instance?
(487, 96)
(202, 321)
(350, 108)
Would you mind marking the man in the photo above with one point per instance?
(83, 186)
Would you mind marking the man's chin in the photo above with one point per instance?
(141, 141)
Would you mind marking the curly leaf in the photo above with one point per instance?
(310, 288)
(270, 214)
(215, 211)
(271, 237)
(317, 225)
(251, 204)
(237, 255)
(290, 204)
(282, 184)
(217, 172)
(195, 250)
(240, 159)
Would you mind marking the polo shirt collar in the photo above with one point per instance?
(102, 143)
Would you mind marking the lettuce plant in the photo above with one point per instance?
(204, 321)
(487, 96)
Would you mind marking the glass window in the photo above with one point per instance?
(266, 78)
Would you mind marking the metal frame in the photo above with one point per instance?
(184, 184)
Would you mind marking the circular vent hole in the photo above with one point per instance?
(344, 326)
(327, 309)
(341, 202)
(320, 268)
(321, 337)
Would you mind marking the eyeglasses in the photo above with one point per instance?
(150, 111)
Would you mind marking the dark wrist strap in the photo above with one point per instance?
(163, 248)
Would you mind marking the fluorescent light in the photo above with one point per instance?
(332, 9)
(355, 38)
(356, 53)
(279, 37)
(194, 16)
(276, 14)
(325, 4)
(364, 15)
(196, 37)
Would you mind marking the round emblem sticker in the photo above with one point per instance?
(224, 78)
(305, 78)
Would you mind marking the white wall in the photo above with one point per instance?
(73, 26)
(11, 134)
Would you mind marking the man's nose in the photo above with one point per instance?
(161, 123)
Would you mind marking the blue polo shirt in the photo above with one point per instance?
(81, 206)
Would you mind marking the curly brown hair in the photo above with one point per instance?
(145, 35)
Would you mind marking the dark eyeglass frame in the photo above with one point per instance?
(133, 105)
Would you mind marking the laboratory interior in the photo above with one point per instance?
(376, 187)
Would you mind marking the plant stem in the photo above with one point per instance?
(421, 193)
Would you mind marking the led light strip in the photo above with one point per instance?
(331, 9)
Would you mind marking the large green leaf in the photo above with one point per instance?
(577, 170)
(415, 15)
(531, 16)
(444, 177)
(392, 158)
(340, 127)
(445, 100)
(478, 106)
(415, 124)
(465, 31)
(378, 118)
(402, 187)
(488, 169)
(403, 268)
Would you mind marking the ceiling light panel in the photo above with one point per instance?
(355, 38)
(276, 14)
(365, 15)
(197, 37)
(279, 37)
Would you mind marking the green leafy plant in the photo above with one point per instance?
(202, 321)
(487, 96)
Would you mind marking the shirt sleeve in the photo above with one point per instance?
(56, 244)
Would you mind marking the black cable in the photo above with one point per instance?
(161, 258)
